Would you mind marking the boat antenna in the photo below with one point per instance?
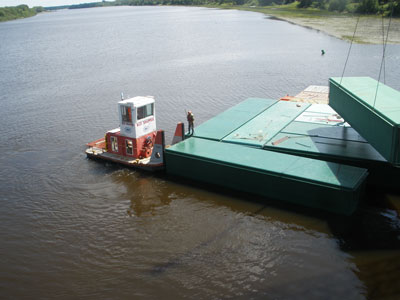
(384, 52)
(351, 44)
(122, 96)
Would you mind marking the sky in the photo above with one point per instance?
(44, 3)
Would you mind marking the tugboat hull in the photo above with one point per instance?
(97, 150)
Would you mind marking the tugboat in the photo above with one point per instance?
(136, 142)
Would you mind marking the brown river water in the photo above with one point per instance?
(72, 228)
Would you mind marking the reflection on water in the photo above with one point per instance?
(369, 228)
(379, 270)
(76, 228)
(144, 191)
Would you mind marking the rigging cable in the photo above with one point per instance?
(383, 54)
(351, 44)
(383, 45)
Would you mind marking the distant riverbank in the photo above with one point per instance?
(340, 25)
(333, 17)
(18, 12)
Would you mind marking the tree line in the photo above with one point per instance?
(383, 7)
(17, 12)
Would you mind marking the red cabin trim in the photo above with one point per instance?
(140, 146)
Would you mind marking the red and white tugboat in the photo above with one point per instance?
(136, 142)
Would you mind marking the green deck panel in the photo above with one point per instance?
(325, 131)
(387, 102)
(325, 148)
(321, 114)
(226, 122)
(319, 118)
(337, 144)
(262, 128)
(314, 183)
(354, 98)
(381, 173)
(321, 108)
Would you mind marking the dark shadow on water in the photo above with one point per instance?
(371, 229)
(373, 226)
(188, 255)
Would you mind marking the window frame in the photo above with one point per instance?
(143, 111)
(114, 143)
(126, 114)
(128, 145)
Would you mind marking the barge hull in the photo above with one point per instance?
(322, 185)
(97, 151)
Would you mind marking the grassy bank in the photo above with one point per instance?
(340, 25)
(18, 12)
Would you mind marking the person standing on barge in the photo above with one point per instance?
(190, 119)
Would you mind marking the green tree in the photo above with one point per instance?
(318, 4)
(265, 2)
(337, 5)
(304, 3)
(368, 7)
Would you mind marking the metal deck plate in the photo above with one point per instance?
(223, 124)
(262, 128)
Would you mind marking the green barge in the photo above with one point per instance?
(304, 181)
(297, 152)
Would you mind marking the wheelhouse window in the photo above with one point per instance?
(129, 147)
(126, 114)
(145, 111)
(114, 143)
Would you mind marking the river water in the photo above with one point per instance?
(74, 228)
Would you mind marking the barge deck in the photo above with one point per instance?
(299, 150)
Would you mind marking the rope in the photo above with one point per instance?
(351, 44)
(383, 45)
(383, 54)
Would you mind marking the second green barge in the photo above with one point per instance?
(229, 150)
(294, 151)
(309, 182)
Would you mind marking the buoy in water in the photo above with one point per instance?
(322, 52)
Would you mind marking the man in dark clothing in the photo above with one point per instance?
(190, 119)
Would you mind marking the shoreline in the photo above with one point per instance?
(369, 29)
(342, 26)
